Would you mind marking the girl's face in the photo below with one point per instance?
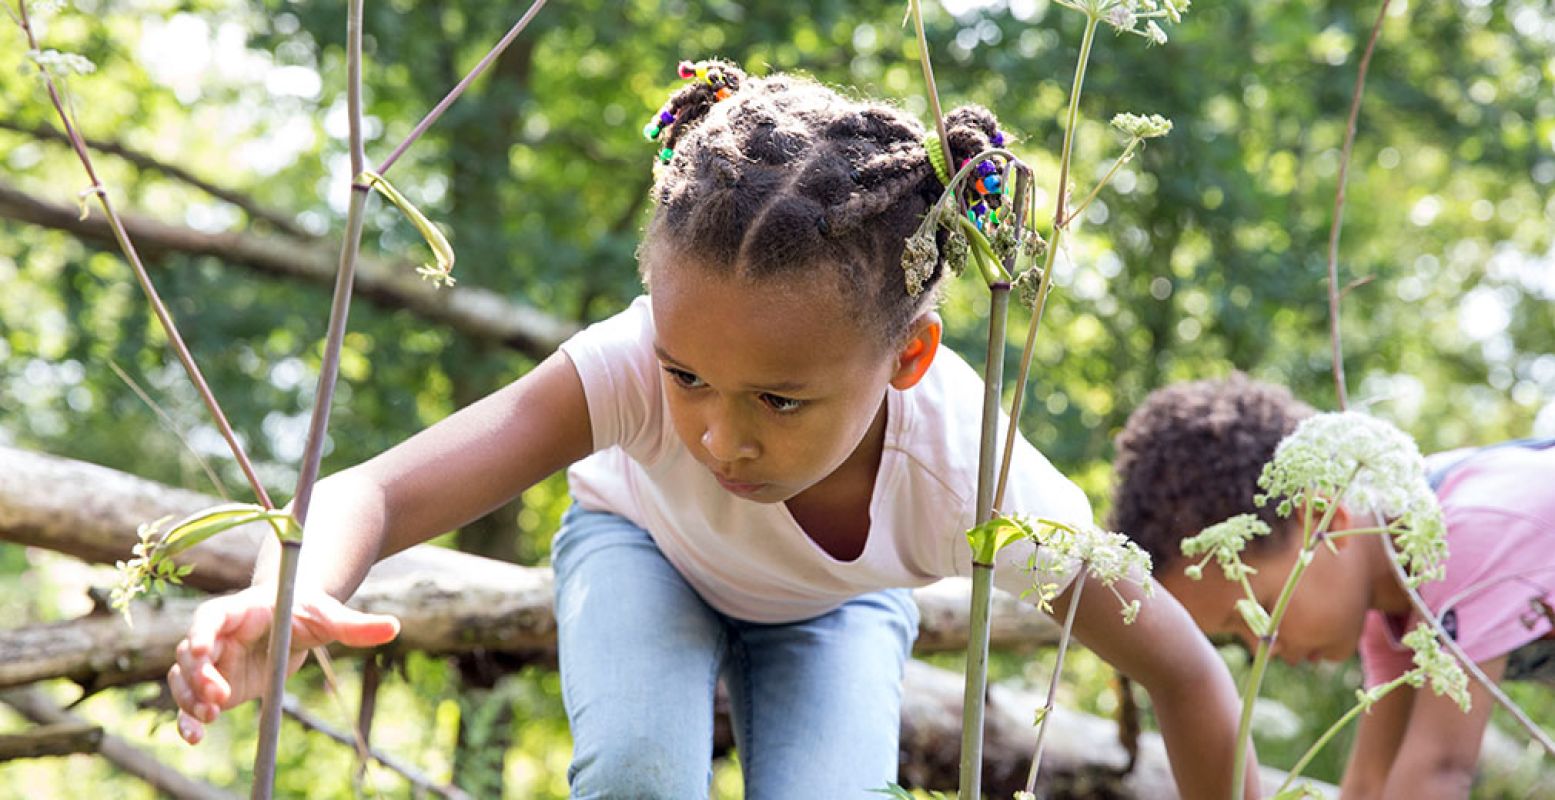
(1325, 616)
(771, 386)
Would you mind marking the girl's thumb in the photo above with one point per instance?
(358, 629)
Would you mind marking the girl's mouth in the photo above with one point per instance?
(738, 487)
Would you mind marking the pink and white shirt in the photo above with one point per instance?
(1499, 506)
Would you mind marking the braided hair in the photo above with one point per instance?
(786, 177)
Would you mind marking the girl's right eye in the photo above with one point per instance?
(684, 379)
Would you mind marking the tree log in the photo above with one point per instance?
(59, 739)
(449, 602)
(35, 706)
(1083, 757)
(478, 313)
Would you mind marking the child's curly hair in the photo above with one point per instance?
(1190, 456)
(786, 176)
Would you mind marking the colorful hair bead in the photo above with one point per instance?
(686, 69)
(665, 155)
(986, 167)
(998, 139)
(990, 183)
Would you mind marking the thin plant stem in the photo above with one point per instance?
(1070, 120)
(1052, 686)
(1333, 230)
(169, 327)
(1128, 153)
(982, 574)
(167, 422)
(1059, 223)
(1424, 612)
(1334, 729)
(1266, 644)
(453, 94)
(928, 78)
(281, 626)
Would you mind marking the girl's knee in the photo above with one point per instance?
(638, 768)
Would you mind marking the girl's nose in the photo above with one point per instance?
(726, 443)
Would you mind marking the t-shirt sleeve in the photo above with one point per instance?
(620, 373)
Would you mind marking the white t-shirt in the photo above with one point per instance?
(751, 560)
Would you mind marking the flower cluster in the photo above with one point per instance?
(149, 567)
(918, 259)
(1139, 126)
(1107, 556)
(1125, 15)
(1224, 542)
(1440, 669)
(1367, 464)
(1373, 464)
(59, 64)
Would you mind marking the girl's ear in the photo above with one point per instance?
(1341, 522)
(913, 360)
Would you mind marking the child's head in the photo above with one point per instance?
(786, 181)
(1190, 457)
(774, 264)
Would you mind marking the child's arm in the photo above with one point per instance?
(449, 474)
(1438, 746)
(1377, 739)
(1190, 687)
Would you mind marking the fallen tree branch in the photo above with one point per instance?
(249, 205)
(1083, 757)
(33, 705)
(55, 739)
(449, 602)
(478, 313)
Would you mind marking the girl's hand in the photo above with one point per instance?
(221, 661)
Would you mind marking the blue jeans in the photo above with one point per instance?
(816, 704)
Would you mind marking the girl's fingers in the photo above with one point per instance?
(190, 728)
(211, 620)
(178, 686)
(356, 629)
(217, 690)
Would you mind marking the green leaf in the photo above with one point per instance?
(992, 536)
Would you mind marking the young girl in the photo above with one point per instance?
(1189, 457)
(765, 452)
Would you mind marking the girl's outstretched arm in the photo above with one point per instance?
(1190, 687)
(451, 473)
(443, 477)
(1440, 746)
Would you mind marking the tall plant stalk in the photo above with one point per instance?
(340, 305)
(1055, 240)
(982, 572)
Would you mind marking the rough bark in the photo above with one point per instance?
(478, 313)
(279, 220)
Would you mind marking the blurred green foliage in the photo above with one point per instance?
(1206, 255)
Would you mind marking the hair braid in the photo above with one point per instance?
(786, 177)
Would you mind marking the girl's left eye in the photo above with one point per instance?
(781, 404)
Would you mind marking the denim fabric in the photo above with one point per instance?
(815, 703)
